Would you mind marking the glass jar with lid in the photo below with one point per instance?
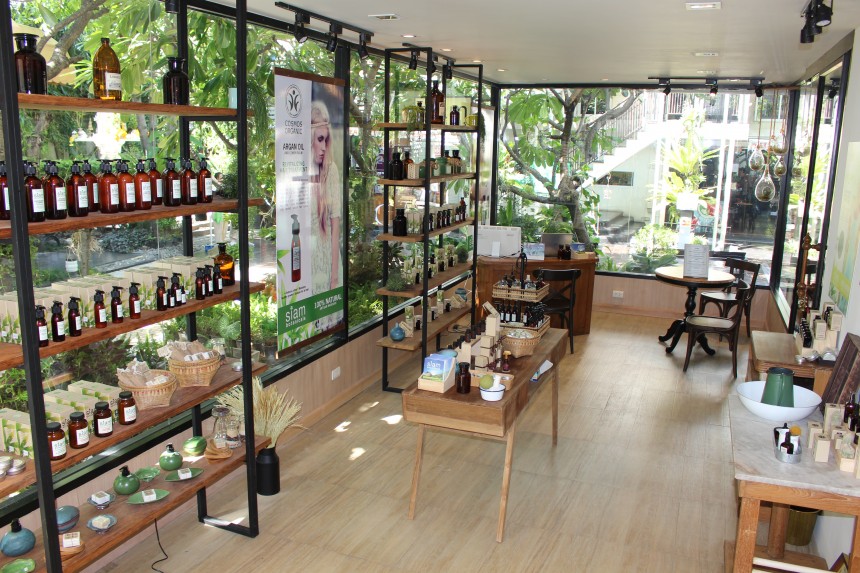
(219, 433)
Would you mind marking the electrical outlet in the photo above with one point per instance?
(335, 374)
(618, 294)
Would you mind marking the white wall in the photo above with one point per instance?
(632, 201)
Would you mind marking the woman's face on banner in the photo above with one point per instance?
(320, 144)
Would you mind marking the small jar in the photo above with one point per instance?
(79, 431)
(506, 361)
(400, 225)
(56, 441)
(219, 433)
(126, 409)
(102, 420)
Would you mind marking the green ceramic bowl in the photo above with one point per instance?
(19, 566)
(147, 474)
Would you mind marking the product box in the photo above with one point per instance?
(17, 433)
(832, 416)
(59, 413)
(81, 403)
(845, 462)
(109, 394)
(814, 429)
(822, 449)
(437, 374)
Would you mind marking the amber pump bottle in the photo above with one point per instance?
(199, 285)
(172, 184)
(116, 314)
(207, 275)
(41, 325)
(126, 187)
(204, 181)
(108, 189)
(55, 192)
(176, 289)
(133, 301)
(171, 295)
(142, 187)
(107, 81)
(217, 280)
(160, 294)
(156, 184)
(92, 183)
(75, 326)
(99, 309)
(35, 194)
(77, 195)
(227, 265)
(58, 324)
(5, 207)
(189, 183)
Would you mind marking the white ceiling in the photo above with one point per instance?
(613, 41)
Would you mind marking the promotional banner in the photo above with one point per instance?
(309, 164)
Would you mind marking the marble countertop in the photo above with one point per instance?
(752, 450)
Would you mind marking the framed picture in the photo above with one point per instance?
(845, 378)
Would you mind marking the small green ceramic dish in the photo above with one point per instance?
(147, 474)
(19, 566)
(174, 476)
(137, 498)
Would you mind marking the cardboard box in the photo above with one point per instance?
(813, 430)
(59, 413)
(81, 403)
(16, 431)
(821, 449)
(844, 462)
(832, 416)
(109, 394)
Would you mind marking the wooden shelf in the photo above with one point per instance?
(11, 355)
(104, 219)
(433, 127)
(461, 270)
(420, 182)
(420, 238)
(182, 399)
(436, 327)
(63, 103)
(132, 519)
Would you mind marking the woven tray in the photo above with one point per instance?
(519, 347)
(538, 331)
(153, 396)
(199, 373)
(521, 294)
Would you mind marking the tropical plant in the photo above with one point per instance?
(112, 354)
(653, 246)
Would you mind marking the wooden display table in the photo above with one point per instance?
(471, 415)
(490, 270)
(777, 349)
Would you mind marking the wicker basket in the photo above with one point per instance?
(198, 373)
(147, 397)
(537, 331)
(521, 294)
(519, 347)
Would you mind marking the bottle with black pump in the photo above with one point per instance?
(204, 181)
(75, 326)
(156, 183)
(116, 313)
(207, 275)
(77, 194)
(41, 325)
(35, 194)
(171, 297)
(126, 187)
(181, 295)
(217, 280)
(199, 285)
(5, 212)
(172, 184)
(108, 188)
(160, 294)
(55, 192)
(92, 183)
(58, 323)
(142, 187)
(99, 309)
(188, 180)
(133, 301)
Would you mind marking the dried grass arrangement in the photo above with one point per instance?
(274, 411)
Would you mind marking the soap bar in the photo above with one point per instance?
(184, 473)
(102, 521)
(73, 539)
(149, 495)
(832, 416)
(100, 497)
(822, 449)
(814, 429)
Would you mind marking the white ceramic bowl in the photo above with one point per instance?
(493, 395)
(805, 401)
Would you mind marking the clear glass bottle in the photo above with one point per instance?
(107, 81)
(219, 433)
(30, 66)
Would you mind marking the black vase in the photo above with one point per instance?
(268, 472)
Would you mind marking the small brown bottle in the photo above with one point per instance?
(126, 409)
(55, 192)
(30, 66)
(207, 276)
(79, 431)
(188, 181)
(437, 99)
(58, 324)
(35, 194)
(133, 301)
(142, 187)
(102, 420)
(5, 207)
(172, 184)
(204, 181)
(92, 183)
(56, 441)
(107, 81)
(75, 326)
(156, 183)
(108, 189)
(126, 187)
(99, 311)
(226, 263)
(41, 326)
(116, 315)
(77, 195)
(217, 280)
(199, 285)
(160, 294)
(176, 289)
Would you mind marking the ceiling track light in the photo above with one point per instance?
(413, 60)
(363, 39)
(816, 15)
(334, 30)
(171, 6)
(299, 32)
(823, 12)
(834, 88)
(448, 71)
(713, 83)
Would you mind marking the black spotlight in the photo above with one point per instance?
(300, 33)
(834, 89)
(333, 31)
(713, 88)
(758, 91)
(171, 6)
(431, 67)
(413, 60)
(823, 13)
(448, 71)
(667, 90)
(362, 46)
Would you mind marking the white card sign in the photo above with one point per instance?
(696, 260)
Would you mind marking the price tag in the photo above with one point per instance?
(149, 495)
(72, 539)
(220, 443)
(184, 473)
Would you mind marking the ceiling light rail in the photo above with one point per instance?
(667, 84)
(817, 15)
(336, 28)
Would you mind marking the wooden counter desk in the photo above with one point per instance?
(490, 270)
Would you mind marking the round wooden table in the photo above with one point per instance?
(674, 275)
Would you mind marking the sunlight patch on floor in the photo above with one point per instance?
(356, 453)
(392, 420)
(342, 426)
(367, 406)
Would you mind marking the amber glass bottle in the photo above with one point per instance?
(77, 196)
(108, 189)
(41, 325)
(227, 265)
(55, 192)
(172, 184)
(126, 187)
(188, 181)
(5, 211)
(79, 431)
(438, 100)
(142, 187)
(35, 194)
(204, 181)
(156, 183)
(92, 186)
(30, 67)
(107, 81)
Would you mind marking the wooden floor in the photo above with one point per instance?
(641, 480)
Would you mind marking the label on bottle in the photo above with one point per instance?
(114, 193)
(135, 307)
(184, 297)
(61, 328)
(38, 200)
(171, 300)
(192, 188)
(113, 81)
(220, 283)
(83, 436)
(207, 186)
(209, 286)
(129, 193)
(104, 425)
(78, 323)
(159, 188)
(146, 191)
(6, 199)
(95, 194)
(102, 315)
(83, 196)
(58, 448)
(297, 258)
(164, 299)
(119, 311)
(177, 189)
(43, 333)
(130, 413)
(60, 196)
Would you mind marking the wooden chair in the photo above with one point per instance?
(725, 299)
(562, 301)
(698, 326)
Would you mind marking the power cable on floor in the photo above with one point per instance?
(158, 538)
